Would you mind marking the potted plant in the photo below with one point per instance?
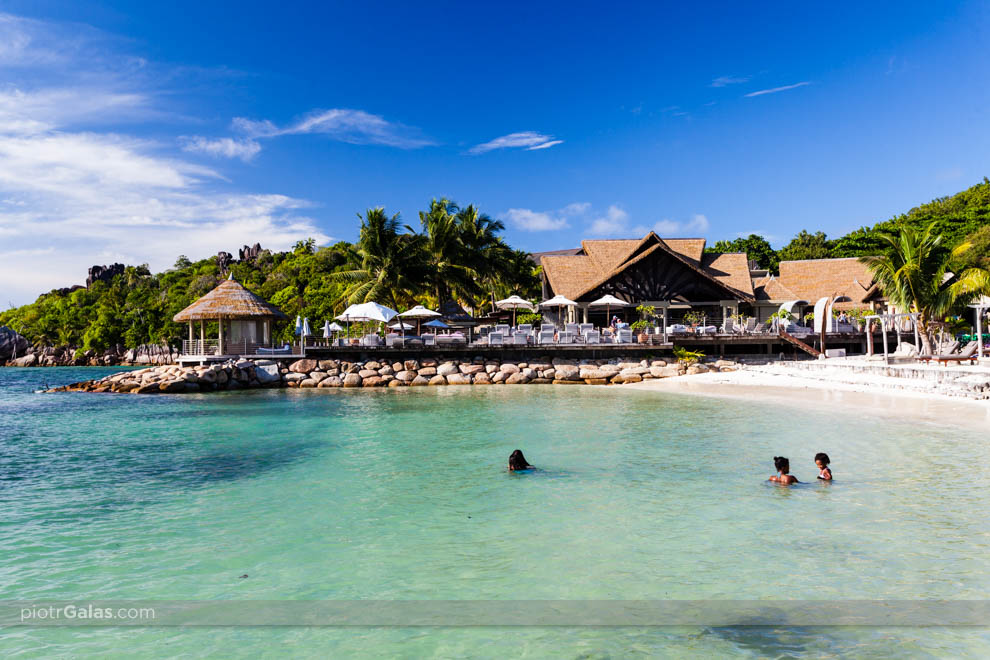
(694, 319)
(639, 327)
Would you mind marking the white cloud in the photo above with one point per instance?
(344, 125)
(245, 149)
(75, 194)
(723, 81)
(613, 223)
(774, 90)
(529, 220)
(528, 140)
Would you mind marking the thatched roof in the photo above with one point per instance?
(769, 288)
(229, 300)
(576, 275)
(811, 279)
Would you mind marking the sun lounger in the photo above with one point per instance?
(371, 340)
(429, 340)
(967, 354)
(546, 336)
(495, 339)
(623, 336)
(503, 329)
(592, 337)
(270, 351)
(678, 329)
(519, 339)
(525, 328)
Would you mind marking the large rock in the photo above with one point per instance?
(517, 379)
(447, 368)
(288, 378)
(419, 381)
(265, 373)
(372, 381)
(309, 382)
(12, 344)
(406, 376)
(28, 360)
(352, 380)
(318, 376)
(568, 382)
(409, 365)
(635, 371)
(509, 368)
(596, 381)
(428, 372)
(303, 366)
(328, 365)
(368, 373)
(470, 369)
(499, 377)
(438, 380)
(566, 372)
(459, 379)
(331, 381)
(482, 379)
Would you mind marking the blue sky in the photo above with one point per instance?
(138, 131)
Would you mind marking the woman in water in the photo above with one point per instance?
(822, 461)
(783, 467)
(518, 462)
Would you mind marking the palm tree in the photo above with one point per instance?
(452, 263)
(391, 267)
(914, 275)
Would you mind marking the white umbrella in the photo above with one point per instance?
(306, 330)
(558, 301)
(369, 311)
(514, 303)
(336, 327)
(419, 312)
(326, 330)
(401, 326)
(298, 324)
(607, 301)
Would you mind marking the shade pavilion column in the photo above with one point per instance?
(220, 335)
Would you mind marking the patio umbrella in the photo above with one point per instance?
(306, 330)
(369, 311)
(400, 326)
(514, 303)
(419, 312)
(298, 324)
(436, 323)
(326, 330)
(558, 301)
(607, 301)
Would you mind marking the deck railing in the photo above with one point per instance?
(208, 347)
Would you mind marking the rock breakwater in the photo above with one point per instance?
(425, 372)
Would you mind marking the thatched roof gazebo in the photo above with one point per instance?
(244, 320)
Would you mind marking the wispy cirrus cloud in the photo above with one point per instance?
(615, 222)
(245, 149)
(342, 124)
(725, 81)
(774, 90)
(529, 220)
(527, 140)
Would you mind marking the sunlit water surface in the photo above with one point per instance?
(342, 494)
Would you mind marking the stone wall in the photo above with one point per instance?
(424, 372)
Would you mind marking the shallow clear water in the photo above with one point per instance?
(343, 494)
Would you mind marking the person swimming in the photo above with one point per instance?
(518, 462)
(783, 467)
(822, 461)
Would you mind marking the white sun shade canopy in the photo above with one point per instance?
(608, 301)
(514, 302)
(369, 311)
(558, 301)
(419, 312)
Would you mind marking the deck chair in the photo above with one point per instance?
(519, 339)
(496, 339)
(502, 328)
(729, 326)
(429, 339)
(546, 336)
(967, 354)
(548, 326)
(525, 328)
(592, 337)
(623, 336)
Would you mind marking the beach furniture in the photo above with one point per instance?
(750, 324)
(546, 335)
(371, 340)
(429, 340)
(502, 328)
(519, 339)
(496, 339)
(565, 337)
(678, 329)
(967, 354)
(525, 328)
(548, 326)
(592, 337)
(585, 328)
(623, 336)
(728, 326)
(271, 351)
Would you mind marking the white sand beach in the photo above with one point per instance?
(882, 396)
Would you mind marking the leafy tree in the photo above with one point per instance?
(914, 275)
(807, 246)
(756, 247)
(978, 255)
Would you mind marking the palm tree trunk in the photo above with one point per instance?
(924, 333)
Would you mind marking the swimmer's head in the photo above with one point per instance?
(821, 460)
(517, 461)
(782, 464)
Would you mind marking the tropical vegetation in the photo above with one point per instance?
(457, 255)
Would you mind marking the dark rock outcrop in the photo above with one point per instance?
(249, 253)
(224, 259)
(12, 344)
(103, 273)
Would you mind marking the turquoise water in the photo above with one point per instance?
(342, 494)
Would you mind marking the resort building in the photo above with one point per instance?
(675, 275)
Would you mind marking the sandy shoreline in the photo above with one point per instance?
(795, 390)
